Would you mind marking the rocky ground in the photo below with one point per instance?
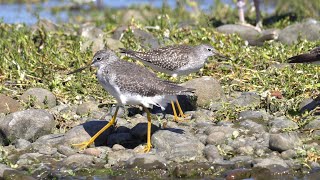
(255, 144)
(247, 118)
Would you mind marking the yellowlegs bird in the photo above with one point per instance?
(175, 60)
(131, 84)
(312, 57)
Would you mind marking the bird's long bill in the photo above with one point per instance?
(221, 56)
(80, 69)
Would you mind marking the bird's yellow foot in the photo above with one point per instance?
(83, 145)
(147, 148)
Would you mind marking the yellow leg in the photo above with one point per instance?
(175, 116)
(85, 144)
(148, 146)
(181, 114)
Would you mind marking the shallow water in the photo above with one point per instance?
(29, 13)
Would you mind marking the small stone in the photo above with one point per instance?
(28, 124)
(253, 126)
(39, 97)
(147, 162)
(118, 157)
(212, 92)
(289, 154)
(29, 159)
(86, 108)
(9, 105)
(66, 150)
(22, 144)
(216, 138)
(270, 161)
(211, 152)
(250, 99)
(117, 147)
(283, 141)
(251, 115)
(247, 33)
(92, 151)
(280, 123)
(80, 161)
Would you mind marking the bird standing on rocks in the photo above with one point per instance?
(131, 84)
(312, 57)
(175, 60)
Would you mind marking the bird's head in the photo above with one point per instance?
(207, 51)
(102, 57)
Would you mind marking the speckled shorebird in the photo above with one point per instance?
(312, 57)
(175, 60)
(131, 84)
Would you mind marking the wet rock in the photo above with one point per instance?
(212, 92)
(118, 157)
(283, 141)
(80, 161)
(250, 99)
(147, 162)
(9, 173)
(85, 131)
(22, 144)
(270, 162)
(211, 152)
(192, 170)
(177, 147)
(93, 37)
(238, 174)
(280, 123)
(253, 126)
(247, 33)
(28, 124)
(39, 97)
(87, 107)
(309, 30)
(251, 115)
(9, 105)
(66, 150)
(125, 139)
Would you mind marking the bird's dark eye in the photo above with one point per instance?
(98, 59)
(209, 49)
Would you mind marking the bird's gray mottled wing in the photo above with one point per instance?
(169, 57)
(312, 56)
(139, 80)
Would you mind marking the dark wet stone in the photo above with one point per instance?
(9, 105)
(251, 99)
(85, 131)
(191, 170)
(140, 130)
(251, 115)
(284, 141)
(313, 174)
(14, 174)
(238, 174)
(211, 152)
(309, 30)
(273, 172)
(147, 161)
(22, 144)
(81, 161)
(125, 139)
(39, 97)
(280, 123)
(212, 92)
(28, 124)
(177, 147)
(253, 126)
(87, 107)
